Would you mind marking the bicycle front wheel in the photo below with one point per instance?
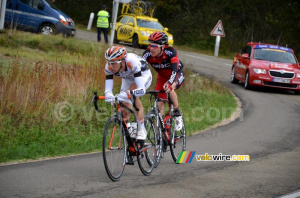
(148, 153)
(178, 142)
(157, 128)
(114, 149)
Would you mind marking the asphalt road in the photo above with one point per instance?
(267, 130)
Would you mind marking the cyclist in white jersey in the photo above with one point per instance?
(136, 78)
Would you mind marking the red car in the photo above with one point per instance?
(268, 65)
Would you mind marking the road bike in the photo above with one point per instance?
(165, 128)
(139, 7)
(119, 147)
(134, 6)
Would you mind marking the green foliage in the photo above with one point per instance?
(39, 140)
(52, 43)
(191, 21)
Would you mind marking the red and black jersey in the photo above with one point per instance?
(168, 65)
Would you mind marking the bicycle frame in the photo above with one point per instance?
(170, 136)
(158, 115)
(116, 137)
(132, 147)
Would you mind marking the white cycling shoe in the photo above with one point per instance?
(141, 135)
(132, 134)
(132, 127)
(178, 123)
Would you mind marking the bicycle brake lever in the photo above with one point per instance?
(94, 100)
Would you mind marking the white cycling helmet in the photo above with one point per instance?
(115, 53)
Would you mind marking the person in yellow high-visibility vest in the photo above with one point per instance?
(103, 24)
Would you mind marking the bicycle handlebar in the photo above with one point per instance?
(155, 92)
(96, 98)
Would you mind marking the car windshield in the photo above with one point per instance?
(52, 4)
(274, 55)
(149, 24)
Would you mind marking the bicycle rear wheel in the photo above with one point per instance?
(148, 154)
(178, 143)
(114, 149)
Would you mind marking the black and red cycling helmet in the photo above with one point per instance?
(159, 38)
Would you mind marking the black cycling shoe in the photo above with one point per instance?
(164, 149)
(176, 112)
(141, 142)
(129, 160)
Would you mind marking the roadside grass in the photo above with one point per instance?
(84, 27)
(46, 86)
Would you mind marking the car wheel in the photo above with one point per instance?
(247, 85)
(135, 41)
(47, 29)
(233, 79)
(115, 38)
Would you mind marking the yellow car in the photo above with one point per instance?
(136, 29)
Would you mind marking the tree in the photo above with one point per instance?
(191, 21)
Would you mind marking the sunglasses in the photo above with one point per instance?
(154, 46)
(114, 62)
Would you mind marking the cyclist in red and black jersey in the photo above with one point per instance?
(170, 76)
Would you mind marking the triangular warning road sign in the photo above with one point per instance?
(218, 30)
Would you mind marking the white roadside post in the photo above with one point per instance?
(2, 15)
(91, 21)
(217, 45)
(218, 31)
(114, 18)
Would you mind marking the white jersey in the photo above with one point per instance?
(136, 71)
(134, 64)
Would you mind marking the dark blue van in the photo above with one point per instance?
(39, 16)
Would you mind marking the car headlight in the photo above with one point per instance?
(298, 75)
(63, 20)
(259, 71)
(170, 37)
(145, 33)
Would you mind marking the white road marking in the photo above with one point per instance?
(227, 64)
(199, 57)
(291, 195)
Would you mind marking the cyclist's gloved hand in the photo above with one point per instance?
(109, 97)
(123, 96)
(168, 87)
